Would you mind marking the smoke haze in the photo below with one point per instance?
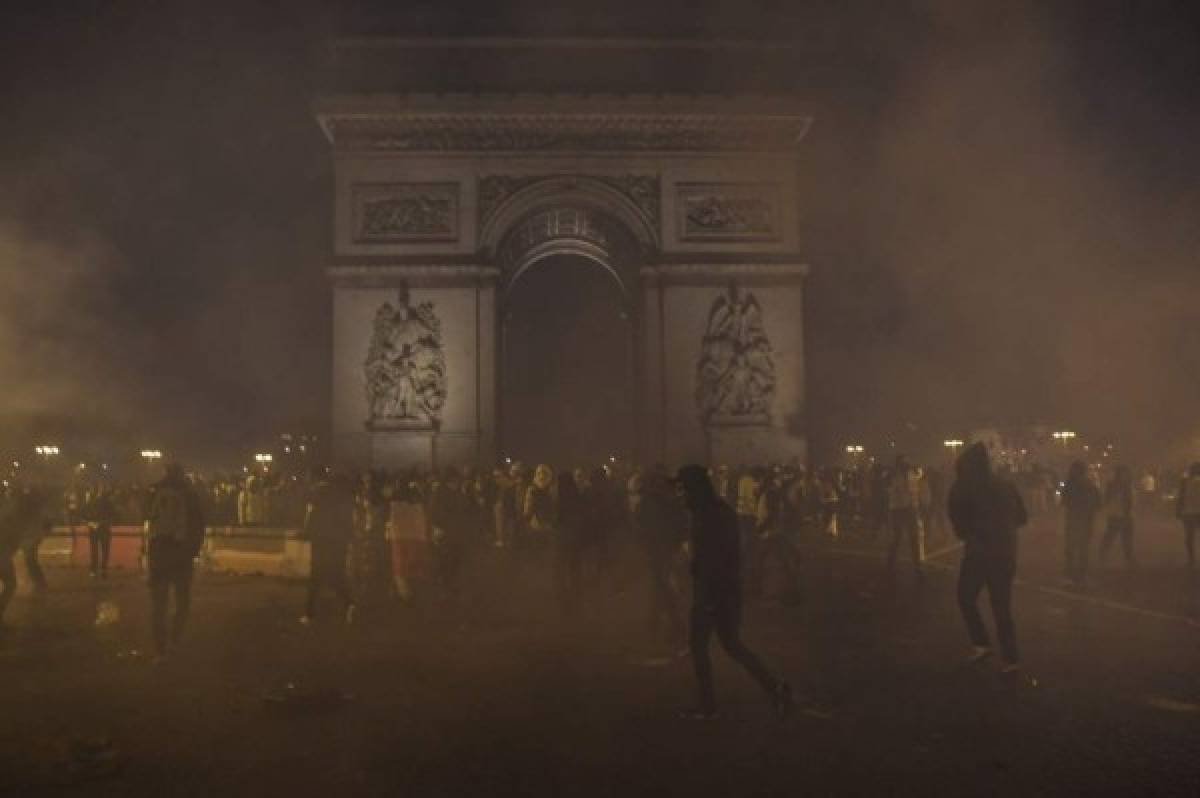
(999, 205)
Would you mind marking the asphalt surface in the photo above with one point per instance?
(500, 695)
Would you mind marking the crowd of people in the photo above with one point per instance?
(734, 525)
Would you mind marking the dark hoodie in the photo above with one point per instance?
(985, 510)
(716, 565)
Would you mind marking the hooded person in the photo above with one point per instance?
(717, 593)
(986, 512)
(174, 532)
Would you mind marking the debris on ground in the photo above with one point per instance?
(296, 699)
(108, 613)
(91, 758)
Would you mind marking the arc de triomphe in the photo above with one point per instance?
(443, 201)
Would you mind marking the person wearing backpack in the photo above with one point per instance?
(174, 531)
(986, 512)
(1187, 510)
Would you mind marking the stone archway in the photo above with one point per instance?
(568, 293)
(449, 206)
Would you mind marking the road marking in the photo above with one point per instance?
(1171, 705)
(1095, 601)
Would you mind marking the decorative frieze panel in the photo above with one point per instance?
(396, 213)
(741, 212)
(558, 132)
(735, 377)
(642, 190)
(405, 367)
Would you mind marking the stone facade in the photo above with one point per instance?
(691, 203)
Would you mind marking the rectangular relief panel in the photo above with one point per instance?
(729, 212)
(405, 213)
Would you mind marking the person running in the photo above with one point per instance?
(985, 513)
(174, 535)
(717, 594)
(328, 524)
(1081, 502)
(1187, 510)
(1118, 509)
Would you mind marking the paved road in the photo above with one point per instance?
(505, 697)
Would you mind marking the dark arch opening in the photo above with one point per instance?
(566, 374)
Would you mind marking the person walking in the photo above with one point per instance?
(1187, 510)
(717, 594)
(985, 513)
(906, 492)
(1118, 511)
(174, 531)
(328, 524)
(1081, 502)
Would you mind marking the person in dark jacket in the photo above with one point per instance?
(1187, 510)
(328, 524)
(1118, 511)
(717, 593)
(1081, 502)
(174, 535)
(985, 513)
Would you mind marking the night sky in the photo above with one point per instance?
(1000, 207)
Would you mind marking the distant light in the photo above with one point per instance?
(104, 466)
(152, 454)
(953, 443)
(263, 457)
(16, 463)
(854, 448)
(46, 450)
(83, 466)
(287, 449)
(1063, 435)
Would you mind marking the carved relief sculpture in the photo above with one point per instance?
(735, 378)
(728, 211)
(405, 212)
(405, 369)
